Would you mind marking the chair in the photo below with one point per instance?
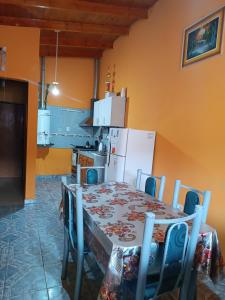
(73, 232)
(179, 250)
(92, 175)
(192, 199)
(150, 184)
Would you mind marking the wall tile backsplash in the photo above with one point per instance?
(65, 129)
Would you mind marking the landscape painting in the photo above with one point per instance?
(203, 39)
(2, 58)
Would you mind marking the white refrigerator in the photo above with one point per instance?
(129, 150)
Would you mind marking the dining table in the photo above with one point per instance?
(114, 216)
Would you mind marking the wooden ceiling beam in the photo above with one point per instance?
(124, 11)
(70, 52)
(79, 43)
(65, 26)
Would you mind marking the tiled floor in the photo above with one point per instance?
(31, 246)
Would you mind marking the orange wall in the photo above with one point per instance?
(53, 161)
(23, 63)
(185, 106)
(75, 76)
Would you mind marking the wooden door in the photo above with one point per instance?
(12, 147)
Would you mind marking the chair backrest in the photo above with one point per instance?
(92, 176)
(179, 251)
(73, 214)
(150, 184)
(65, 201)
(192, 199)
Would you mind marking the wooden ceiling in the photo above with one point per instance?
(86, 28)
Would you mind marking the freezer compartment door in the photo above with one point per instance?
(116, 168)
(118, 141)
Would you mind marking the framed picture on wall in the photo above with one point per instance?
(2, 58)
(203, 39)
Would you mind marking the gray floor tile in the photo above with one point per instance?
(33, 295)
(51, 258)
(53, 275)
(21, 280)
(24, 259)
(25, 247)
(52, 250)
(3, 271)
(1, 289)
(4, 252)
(58, 293)
(52, 244)
(9, 237)
(4, 224)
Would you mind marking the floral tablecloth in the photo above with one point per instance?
(114, 216)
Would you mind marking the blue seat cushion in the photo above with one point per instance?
(92, 176)
(191, 200)
(150, 186)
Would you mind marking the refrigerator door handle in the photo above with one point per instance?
(109, 153)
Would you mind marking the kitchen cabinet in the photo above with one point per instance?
(109, 112)
(96, 114)
(89, 158)
(85, 161)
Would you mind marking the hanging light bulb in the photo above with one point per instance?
(54, 88)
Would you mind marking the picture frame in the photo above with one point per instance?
(2, 58)
(203, 39)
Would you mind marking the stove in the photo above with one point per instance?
(84, 148)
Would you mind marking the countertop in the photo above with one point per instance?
(92, 154)
(99, 158)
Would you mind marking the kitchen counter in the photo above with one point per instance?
(93, 154)
(98, 157)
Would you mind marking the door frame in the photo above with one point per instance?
(25, 104)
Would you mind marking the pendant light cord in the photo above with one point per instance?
(56, 54)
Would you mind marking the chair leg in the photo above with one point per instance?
(189, 292)
(79, 273)
(192, 291)
(65, 255)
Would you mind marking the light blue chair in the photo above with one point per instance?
(151, 185)
(192, 199)
(177, 262)
(92, 175)
(73, 232)
(65, 200)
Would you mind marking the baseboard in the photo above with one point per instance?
(44, 177)
(30, 201)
